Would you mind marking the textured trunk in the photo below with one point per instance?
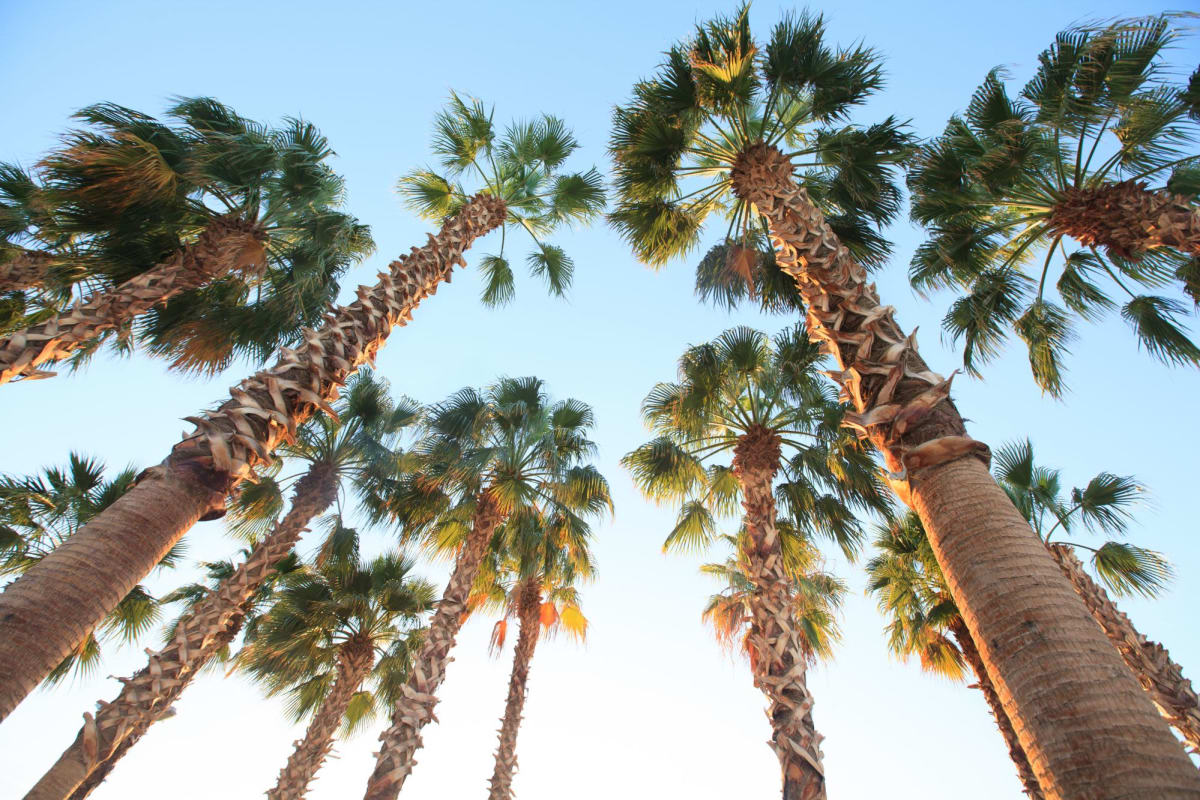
(48, 610)
(1149, 660)
(529, 611)
(414, 709)
(26, 270)
(1086, 726)
(227, 244)
(354, 664)
(778, 657)
(198, 637)
(1127, 219)
(971, 653)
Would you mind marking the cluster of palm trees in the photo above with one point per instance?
(210, 237)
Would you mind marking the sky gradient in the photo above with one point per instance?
(650, 706)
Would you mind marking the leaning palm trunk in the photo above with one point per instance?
(778, 657)
(48, 610)
(1149, 660)
(199, 635)
(227, 244)
(354, 664)
(414, 709)
(26, 270)
(970, 652)
(1127, 219)
(529, 611)
(1061, 684)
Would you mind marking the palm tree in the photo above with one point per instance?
(1103, 506)
(486, 457)
(355, 446)
(230, 221)
(923, 621)
(339, 642)
(543, 559)
(719, 114)
(45, 614)
(763, 402)
(40, 512)
(1011, 183)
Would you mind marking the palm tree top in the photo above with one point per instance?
(524, 167)
(677, 142)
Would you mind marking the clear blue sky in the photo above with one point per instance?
(651, 706)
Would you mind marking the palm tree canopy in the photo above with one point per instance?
(40, 512)
(676, 142)
(524, 166)
(1101, 109)
(728, 388)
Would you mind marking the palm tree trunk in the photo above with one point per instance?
(199, 635)
(26, 270)
(354, 664)
(1071, 703)
(48, 610)
(1127, 219)
(1149, 660)
(414, 709)
(529, 611)
(778, 657)
(971, 653)
(227, 244)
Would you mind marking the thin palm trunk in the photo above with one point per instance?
(414, 710)
(227, 244)
(48, 610)
(1127, 219)
(354, 664)
(1061, 684)
(146, 697)
(778, 655)
(1150, 662)
(26, 270)
(971, 653)
(529, 612)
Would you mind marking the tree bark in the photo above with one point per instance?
(354, 664)
(1149, 661)
(198, 636)
(25, 270)
(48, 610)
(227, 244)
(529, 611)
(971, 653)
(414, 709)
(1087, 728)
(778, 658)
(1127, 219)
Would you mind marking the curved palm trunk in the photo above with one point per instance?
(354, 664)
(1072, 704)
(529, 612)
(48, 610)
(414, 709)
(778, 658)
(27, 270)
(225, 245)
(971, 653)
(200, 635)
(1149, 660)
(1127, 219)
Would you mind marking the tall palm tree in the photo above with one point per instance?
(923, 621)
(354, 447)
(1010, 184)
(46, 613)
(535, 583)
(232, 222)
(486, 457)
(1104, 506)
(718, 116)
(339, 642)
(761, 401)
(40, 512)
